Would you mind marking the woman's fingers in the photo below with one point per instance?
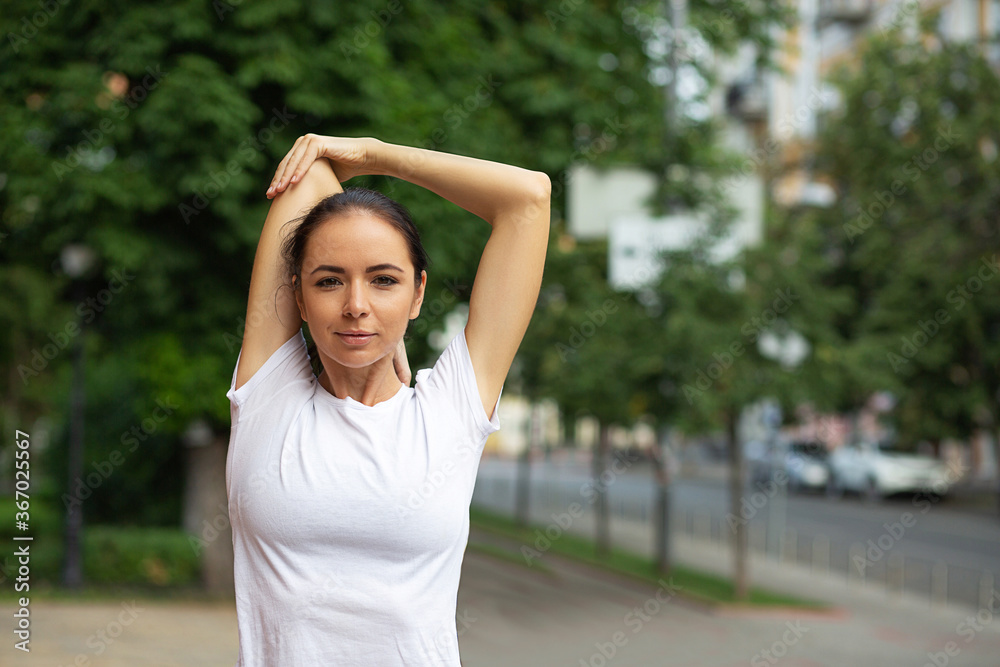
(294, 160)
(347, 156)
(305, 155)
(291, 168)
(400, 363)
(276, 179)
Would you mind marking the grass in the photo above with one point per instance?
(704, 587)
(694, 584)
(505, 555)
(112, 593)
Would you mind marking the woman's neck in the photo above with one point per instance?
(369, 388)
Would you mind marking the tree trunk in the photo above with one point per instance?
(661, 516)
(522, 507)
(740, 583)
(996, 459)
(598, 466)
(73, 563)
(206, 514)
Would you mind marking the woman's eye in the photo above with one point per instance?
(381, 280)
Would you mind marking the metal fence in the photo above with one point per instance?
(940, 582)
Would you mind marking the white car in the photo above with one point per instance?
(807, 465)
(877, 470)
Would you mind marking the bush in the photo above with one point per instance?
(154, 556)
(133, 555)
(45, 525)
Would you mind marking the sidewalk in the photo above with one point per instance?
(562, 613)
(123, 633)
(570, 616)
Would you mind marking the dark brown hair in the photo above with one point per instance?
(352, 200)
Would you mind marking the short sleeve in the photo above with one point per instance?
(286, 365)
(453, 378)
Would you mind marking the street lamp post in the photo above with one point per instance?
(76, 261)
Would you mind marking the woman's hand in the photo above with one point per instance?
(349, 157)
(400, 364)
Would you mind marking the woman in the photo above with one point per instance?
(349, 492)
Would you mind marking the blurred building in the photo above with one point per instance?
(827, 35)
(614, 203)
(771, 119)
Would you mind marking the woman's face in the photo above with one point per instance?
(357, 275)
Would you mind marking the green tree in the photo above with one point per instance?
(913, 237)
(618, 372)
(149, 133)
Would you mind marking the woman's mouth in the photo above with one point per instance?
(356, 339)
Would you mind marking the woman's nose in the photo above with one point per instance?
(357, 300)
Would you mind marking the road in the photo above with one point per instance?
(913, 532)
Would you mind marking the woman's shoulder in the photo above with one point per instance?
(288, 366)
(451, 382)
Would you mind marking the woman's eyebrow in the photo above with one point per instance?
(370, 269)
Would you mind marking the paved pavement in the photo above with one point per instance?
(571, 617)
(123, 633)
(563, 613)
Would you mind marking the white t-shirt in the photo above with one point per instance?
(350, 522)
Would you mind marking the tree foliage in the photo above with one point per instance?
(913, 238)
(149, 132)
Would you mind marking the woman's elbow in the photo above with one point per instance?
(542, 189)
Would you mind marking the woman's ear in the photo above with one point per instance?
(297, 291)
(418, 296)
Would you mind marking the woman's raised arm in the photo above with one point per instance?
(514, 201)
(272, 314)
